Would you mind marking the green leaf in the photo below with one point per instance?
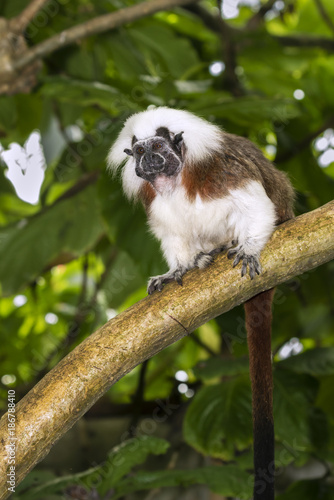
(294, 395)
(218, 367)
(72, 225)
(121, 279)
(125, 60)
(316, 362)
(307, 176)
(121, 460)
(11, 9)
(127, 227)
(309, 490)
(325, 398)
(34, 480)
(158, 40)
(245, 110)
(8, 113)
(80, 92)
(219, 419)
(29, 109)
(132, 452)
(227, 480)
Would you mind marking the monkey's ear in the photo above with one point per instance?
(134, 140)
(128, 152)
(178, 140)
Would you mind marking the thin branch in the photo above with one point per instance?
(230, 50)
(81, 313)
(83, 182)
(138, 398)
(306, 41)
(53, 406)
(304, 143)
(83, 309)
(19, 23)
(324, 14)
(226, 32)
(97, 25)
(201, 344)
(257, 19)
(212, 22)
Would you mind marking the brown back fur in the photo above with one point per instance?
(231, 166)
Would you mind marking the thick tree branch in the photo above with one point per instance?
(97, 25)
(19, 23)
(80, 379)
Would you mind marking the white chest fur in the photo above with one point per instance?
(186, 228)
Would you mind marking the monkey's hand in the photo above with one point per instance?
(158, 282)
(252, 261)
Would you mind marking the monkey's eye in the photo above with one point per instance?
(157, 145)
(140, 151)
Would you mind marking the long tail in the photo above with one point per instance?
(258, 324)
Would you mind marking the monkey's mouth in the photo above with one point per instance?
(161, 181)
(147, 176)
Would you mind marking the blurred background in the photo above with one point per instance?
(74, 252)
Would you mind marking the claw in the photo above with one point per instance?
(178, 280)
(150, 288)
(237, 259)
(248, 261)
(244, 269)
(251, 271)
(231, 253)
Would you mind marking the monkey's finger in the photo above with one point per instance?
(244, 268)
(151, 288)
(257, 266)
(178, 280)
(237, 260)
(251, 270)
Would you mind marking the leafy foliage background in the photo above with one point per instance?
(82, 253)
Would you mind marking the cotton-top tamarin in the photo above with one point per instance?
(206, 191)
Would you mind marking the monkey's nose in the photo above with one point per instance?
(157, 162)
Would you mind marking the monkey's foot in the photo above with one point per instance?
(158, 282)
(203, 260)
(252, 261)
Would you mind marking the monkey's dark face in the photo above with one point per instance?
(157, 156)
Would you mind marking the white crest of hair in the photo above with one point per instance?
(201, 139)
